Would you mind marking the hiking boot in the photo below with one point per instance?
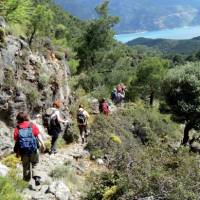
(83, 140)
(37, 181)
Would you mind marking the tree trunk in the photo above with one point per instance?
(187, 129)
(151, 98)
(32, 36)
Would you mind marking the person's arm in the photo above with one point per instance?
(60, 118)
(41, 142)
(16, 135)
(86, 114)
(38, 136)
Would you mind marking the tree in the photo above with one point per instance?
(98, 37)
(17, 11)
(181, 89)
(40, 22)
(149, 75)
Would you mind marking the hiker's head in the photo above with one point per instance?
(21, 117)
(57, 104)
(103, 100)
(80, 106)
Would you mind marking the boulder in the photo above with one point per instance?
(94, 105)
(2, 22)
(60, 190)
(6, 141)
(147, 198)
(3, 170)
(100, 161)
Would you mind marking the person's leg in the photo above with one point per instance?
(35, 171)
(86, 132)
(26, 163)
(81, 129)
(53, 142)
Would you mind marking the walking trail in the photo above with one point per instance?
(64, 175)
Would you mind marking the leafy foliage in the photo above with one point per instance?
(181, 91)
(154, 169)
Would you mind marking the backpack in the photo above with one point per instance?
(27, 142)
(81, 119)
(113, 95)
(49, 121)
(105, 108)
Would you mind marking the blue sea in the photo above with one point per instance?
(176, 33)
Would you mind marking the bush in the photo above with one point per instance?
(43, 80)
(11, 161)
(33, 95)
(9, 80)
(7, 190)
(152, 169)
(71, 134)
(73, 65)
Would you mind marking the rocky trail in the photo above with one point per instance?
(63, 174)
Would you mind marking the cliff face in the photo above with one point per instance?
(29, 81)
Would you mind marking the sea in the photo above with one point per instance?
(176, 33)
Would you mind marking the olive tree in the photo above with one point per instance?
(181, 89)
(149, 74)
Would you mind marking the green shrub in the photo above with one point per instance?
(73, 65)
(9, 80)
(43, 80)
(11, 161)
(115, 139)
(7, 190)
(152, 169)
(33, 95)
(94, 154)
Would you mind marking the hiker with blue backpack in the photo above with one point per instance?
(27, 139)
(82, 120)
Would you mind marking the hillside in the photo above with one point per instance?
(168, 45)
(144, 147)
(140, 15)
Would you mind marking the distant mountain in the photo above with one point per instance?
(169, 46)
(140, 15)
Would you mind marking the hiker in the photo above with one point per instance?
(118, 94)
(52, 123)
(27, 139)
(82, 118)
(114, 94)
(104, 107)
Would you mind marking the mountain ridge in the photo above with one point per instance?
(184, 46)
(140, 15)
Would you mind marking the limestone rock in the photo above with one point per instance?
(100, 161)
(147, 198)
(2, 22)
(6, 141)
(60, 190)
(3, 170)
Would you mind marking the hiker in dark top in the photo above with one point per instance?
(54, 127)
(26, 136)
(82, 120)
(104, 107)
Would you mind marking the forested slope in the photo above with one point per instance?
(148, 146)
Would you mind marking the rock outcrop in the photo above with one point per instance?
(30, 80)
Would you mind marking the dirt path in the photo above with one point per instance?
(71, 166)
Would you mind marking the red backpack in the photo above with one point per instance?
(105, 108)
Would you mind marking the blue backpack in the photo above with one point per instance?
(27, 141)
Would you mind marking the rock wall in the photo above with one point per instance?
(30, 80)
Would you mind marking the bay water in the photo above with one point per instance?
(176, 33)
